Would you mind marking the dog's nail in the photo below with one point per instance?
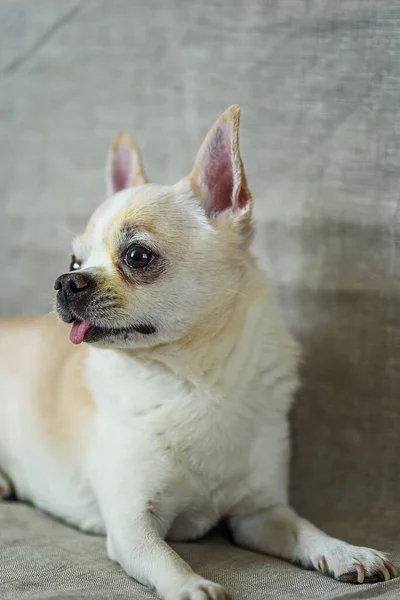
(360, 573)
(392, 569)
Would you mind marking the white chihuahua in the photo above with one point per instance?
(173, 415)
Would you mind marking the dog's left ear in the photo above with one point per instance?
(218, 176)
(124, 166)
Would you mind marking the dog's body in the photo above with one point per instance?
(174, 415)
(205, 434)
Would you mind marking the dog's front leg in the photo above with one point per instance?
(281, 532)
(136, 529)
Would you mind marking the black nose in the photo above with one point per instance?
(73, 283)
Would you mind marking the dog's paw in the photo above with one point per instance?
(201, 589)
(5, 488)
(353, 564)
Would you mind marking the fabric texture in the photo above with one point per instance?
(318, 83)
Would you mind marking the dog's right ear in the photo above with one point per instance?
(124, 166)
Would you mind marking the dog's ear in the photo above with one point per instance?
(218, 175)
(124, 166)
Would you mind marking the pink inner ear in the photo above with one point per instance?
(218, 175)
(123, 169)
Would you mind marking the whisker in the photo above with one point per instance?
(66, 229)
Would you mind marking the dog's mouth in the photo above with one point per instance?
(87, 330)
(84, 331)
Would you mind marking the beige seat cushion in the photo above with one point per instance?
(41, 558)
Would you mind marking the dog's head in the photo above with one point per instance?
(157, 263)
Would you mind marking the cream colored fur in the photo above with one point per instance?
(160, 436)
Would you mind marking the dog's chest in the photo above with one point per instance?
(193, 436)
(209, 437)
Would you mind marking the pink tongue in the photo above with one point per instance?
(78, 331)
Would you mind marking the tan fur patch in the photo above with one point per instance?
(52, 374)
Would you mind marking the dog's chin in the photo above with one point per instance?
(87, 330)
(118, 336)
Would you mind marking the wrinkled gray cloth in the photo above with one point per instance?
(319, 86)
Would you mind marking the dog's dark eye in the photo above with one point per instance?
(75, 263)
(137, 257)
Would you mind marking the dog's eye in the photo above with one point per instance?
(137, 257)
(75, 263)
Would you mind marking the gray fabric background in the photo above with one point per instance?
(319, 86)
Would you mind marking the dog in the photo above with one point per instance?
(173, 413)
